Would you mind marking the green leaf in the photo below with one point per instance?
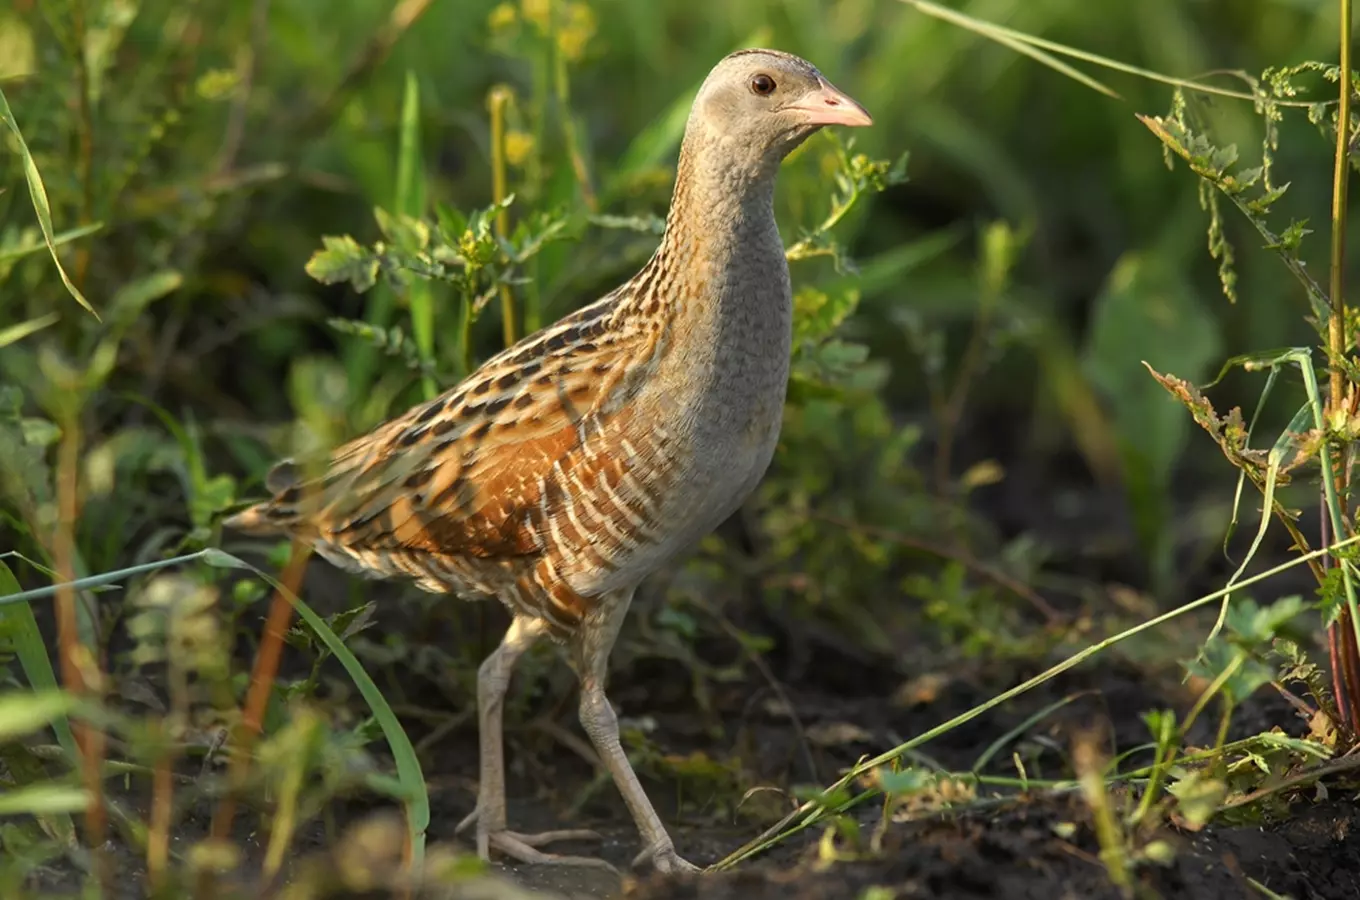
(9, 254)
(905, 781)
(18, 624)
(22, 713)
(38, 195)
(1198, 797)
(342, 259)
(817, 314)
(43, 799)
(352, 621)
(405, 232)
(1255, 625)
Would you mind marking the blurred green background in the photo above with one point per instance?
(1040, 250)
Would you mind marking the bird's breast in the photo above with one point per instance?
(701, 431)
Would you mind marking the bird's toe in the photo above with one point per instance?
(524, 847)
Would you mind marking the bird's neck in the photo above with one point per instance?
(722, 209)
(719, 275)
(719, 281)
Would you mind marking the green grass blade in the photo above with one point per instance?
(410, 201)
(19, 625)
(403, 752)
(15, 333)
(1009, 37)
(1020, 42)
(102, 579)
(1057, 65)
(24, 712)
(38, 193)
(1000, 743)
(43, 800)
(8, 254)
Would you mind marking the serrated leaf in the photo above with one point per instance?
(406, 233)
(1198, 797)
(343, 259)
(352, 621)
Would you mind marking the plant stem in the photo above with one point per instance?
(1337, 324)
(1338, 501)
(86, 137)
(561, 80)
(495, 103)
(80, 673)
(257, 696)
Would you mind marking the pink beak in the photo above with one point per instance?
(829, 106)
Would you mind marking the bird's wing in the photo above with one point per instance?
(470, 473)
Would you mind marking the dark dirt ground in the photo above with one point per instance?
(847, 705)
(1036, 847)
(1040, 846)
(1022, 847)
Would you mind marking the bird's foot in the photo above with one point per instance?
(524, 847)
(664, 859)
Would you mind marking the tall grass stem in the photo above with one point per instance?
(496, 102)
(1336, 481)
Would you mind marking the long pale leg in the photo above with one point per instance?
(590, 657)
(493, 679)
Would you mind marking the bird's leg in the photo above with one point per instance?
(590, 658)
(493, 679)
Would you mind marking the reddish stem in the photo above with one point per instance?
(261, 685)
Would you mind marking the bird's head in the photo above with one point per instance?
(766, 103)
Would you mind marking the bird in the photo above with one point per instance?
(578, 461)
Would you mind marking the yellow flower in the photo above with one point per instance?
(502, 18)
(537, 11)
(576, 31)
(518, 146)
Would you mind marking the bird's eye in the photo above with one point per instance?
(763, 85)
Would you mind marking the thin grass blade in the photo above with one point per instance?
(410, 201)
(18, 623)
(16, 333)
(1009, 37)
(43, 800)
(8, 254)
(38, 194)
